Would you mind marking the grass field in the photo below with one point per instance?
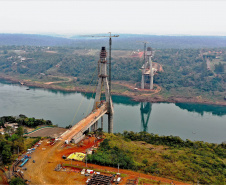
(204, 162)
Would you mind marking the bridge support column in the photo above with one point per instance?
(145, 68)
(96, 125)
(149, 54)
(110, 123)
(142, 81)
(102, 122)
(93, 128)
(103, 81)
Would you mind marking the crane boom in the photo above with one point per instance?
(110, 43)
(99, 36)
(145, 44)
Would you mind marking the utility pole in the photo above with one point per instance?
(86, 159)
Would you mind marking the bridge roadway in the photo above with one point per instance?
(78, 129)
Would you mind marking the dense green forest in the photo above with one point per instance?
(186, 68)
(166, 156)
(183, 68)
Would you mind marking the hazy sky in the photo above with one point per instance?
(200, 17)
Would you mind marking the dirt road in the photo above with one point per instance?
(47, 157)
(69, 79)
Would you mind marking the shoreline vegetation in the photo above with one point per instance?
(123, 89)
(183, 75)
(164, 156)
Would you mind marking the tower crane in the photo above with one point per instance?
(110, 43)
(145, 45)
(110, 107)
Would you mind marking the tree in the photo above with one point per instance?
(145, 161)
(17, 181)
(219, 68)
(20, 131)
(2, 122)
(14, 137)
(22, 116)
(6, 153)
(25, 131)
(99, 132)
(8, 129)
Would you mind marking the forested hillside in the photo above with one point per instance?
(165, 156)
(184, 70)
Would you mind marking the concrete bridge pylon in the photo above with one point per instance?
(103, 81)
(147, 69)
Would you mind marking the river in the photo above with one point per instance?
(188, 121)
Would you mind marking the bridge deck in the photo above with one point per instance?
(85, 123)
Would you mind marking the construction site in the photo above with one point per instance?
(61, 158)
(53, 161)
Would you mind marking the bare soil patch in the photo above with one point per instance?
(3, 178)
(47, 157)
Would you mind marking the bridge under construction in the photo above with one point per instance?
(147, 69)
(76, 133)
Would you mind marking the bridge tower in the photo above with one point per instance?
(103, 81)
(147, 69)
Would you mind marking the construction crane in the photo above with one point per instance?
(110, 43)
(145, 45)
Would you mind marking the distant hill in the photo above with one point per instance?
(33, 40)
(132, 41)
(124, 42)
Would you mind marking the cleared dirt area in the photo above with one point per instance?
(68, 79)
(48, 132)
(131, 86)
(48, 156)
(3, 178)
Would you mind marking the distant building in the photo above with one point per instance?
(14, 127)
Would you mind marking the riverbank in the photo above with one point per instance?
(122, 89)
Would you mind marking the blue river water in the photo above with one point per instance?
(188, 121)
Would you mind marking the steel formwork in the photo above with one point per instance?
(99, 179)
